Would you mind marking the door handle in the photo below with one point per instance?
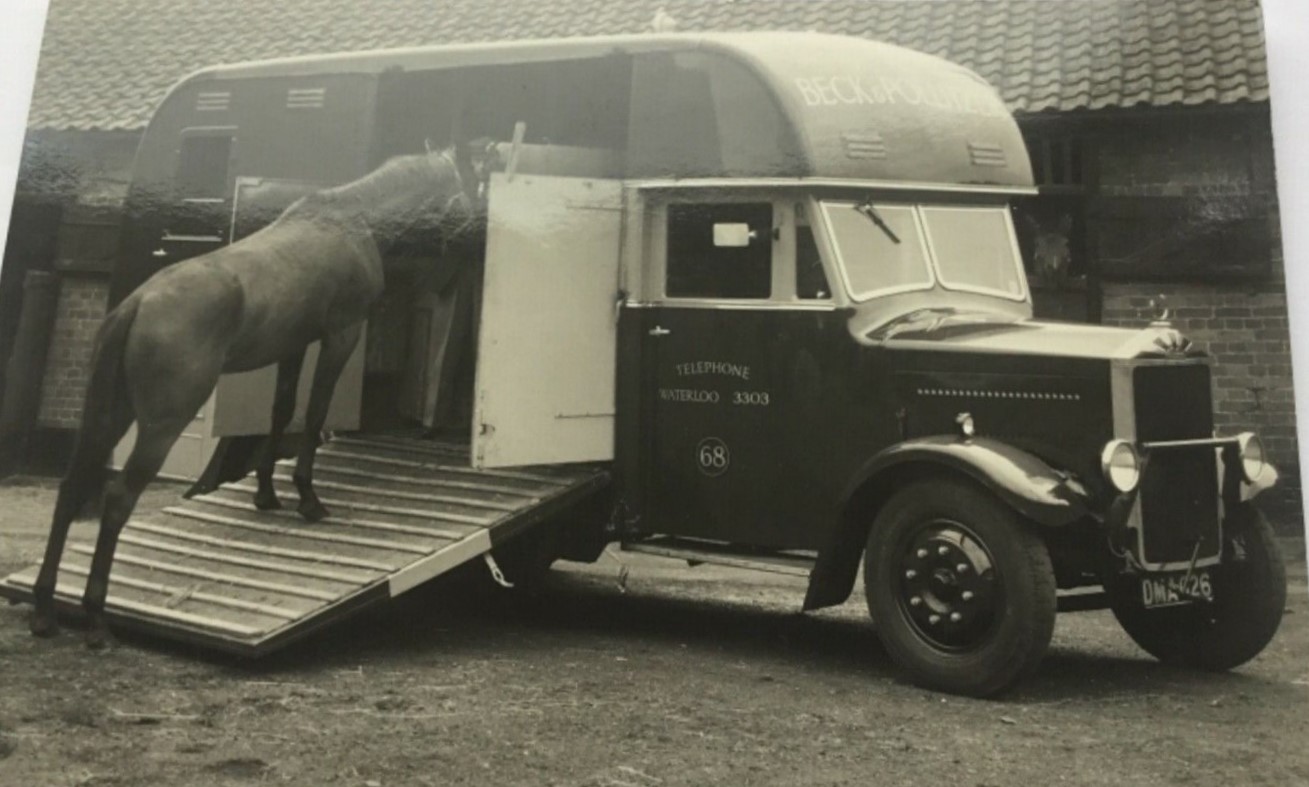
(658, 331)
(159, 253)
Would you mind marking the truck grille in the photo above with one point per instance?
(1179, 490)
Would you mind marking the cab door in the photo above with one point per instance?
(728, 348)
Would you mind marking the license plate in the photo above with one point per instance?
(1169, 590)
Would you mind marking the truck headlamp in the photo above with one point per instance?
(1252, 456)
(1121, 465)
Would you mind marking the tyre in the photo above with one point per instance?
(960, 587)
(1249, 597)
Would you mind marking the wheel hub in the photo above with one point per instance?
(947, 586)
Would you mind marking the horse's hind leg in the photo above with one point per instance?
(85, 478)
(332, 357)
(288, 379)
(154, 439)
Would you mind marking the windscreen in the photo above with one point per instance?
(880, 247)
(974, 250)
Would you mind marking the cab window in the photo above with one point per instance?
(974, 250)
(879, 246)
(721, 250)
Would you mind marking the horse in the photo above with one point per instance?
(310, 275)
(1051, 256)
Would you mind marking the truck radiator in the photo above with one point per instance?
(1179, 489)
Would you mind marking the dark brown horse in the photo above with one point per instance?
(309, 276)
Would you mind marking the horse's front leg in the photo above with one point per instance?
(288, 380)
(332, 357)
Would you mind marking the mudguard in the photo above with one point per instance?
(1036, 490)
(1033, 488)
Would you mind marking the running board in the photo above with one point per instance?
(696, 552)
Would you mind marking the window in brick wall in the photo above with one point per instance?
(1057, 161)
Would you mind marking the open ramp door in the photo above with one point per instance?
(216, 572)
(548, 337)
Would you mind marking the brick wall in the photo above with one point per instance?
(1246, 332)
(1243, 324)
(86, 174)
(80, 310)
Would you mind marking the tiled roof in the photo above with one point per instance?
(104, 63)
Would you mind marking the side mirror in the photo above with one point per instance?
(733, 235)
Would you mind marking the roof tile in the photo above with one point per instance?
(105, 63)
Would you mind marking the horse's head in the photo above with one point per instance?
(462, 172)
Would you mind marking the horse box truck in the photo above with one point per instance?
(744, 298)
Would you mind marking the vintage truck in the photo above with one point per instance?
(746, 298)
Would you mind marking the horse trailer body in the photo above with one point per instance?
(762, 293)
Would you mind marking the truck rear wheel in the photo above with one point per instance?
(961, 589)
(1249, 598)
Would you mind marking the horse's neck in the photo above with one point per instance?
(397, 207)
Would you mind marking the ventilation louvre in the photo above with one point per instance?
(986, 154)
(306, 98)
(213, 101)
(864, 145)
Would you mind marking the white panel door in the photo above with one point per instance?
(243, 402)
(190, 454)
(548, 334)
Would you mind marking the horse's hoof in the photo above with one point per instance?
(313, 512)
(268, 502)
(43, 625)
(98, 637)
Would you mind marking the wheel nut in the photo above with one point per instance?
(955, 617)
(910, 574)
(943, 551)
(915, 601)
(962, 568)
(967, 595)
(922, 553)
(934, 619)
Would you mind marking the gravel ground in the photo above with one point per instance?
(691, 676)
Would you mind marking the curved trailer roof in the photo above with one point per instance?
(857, 109)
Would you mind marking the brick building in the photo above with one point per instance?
(1147, 120)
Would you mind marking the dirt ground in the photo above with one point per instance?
(692, 676)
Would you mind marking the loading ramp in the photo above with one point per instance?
(215, 571)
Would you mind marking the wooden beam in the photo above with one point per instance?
(186, 594)
(309, 532)
(216, 576)
(264, 549)
(237, 560)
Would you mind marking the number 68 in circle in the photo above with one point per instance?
(712, 456)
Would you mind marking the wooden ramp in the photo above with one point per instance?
(215, 571)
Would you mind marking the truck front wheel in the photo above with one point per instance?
(961, 589)
(1249, 590)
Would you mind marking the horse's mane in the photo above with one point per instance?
(401, 174)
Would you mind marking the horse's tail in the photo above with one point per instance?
(106, 409)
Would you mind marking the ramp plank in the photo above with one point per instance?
(215, 571)
(308, 533)
(445, 531)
